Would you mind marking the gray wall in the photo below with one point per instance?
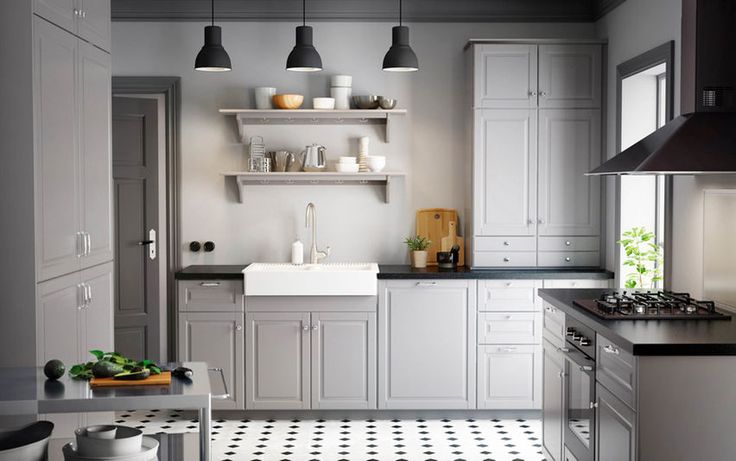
(632, 28)
(431, 144)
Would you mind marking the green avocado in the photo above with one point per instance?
(133, 375)
(54, 369)
(105, 369)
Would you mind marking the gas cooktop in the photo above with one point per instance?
(650, 305)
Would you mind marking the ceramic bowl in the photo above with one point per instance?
(100, 432)
(341, 81)
(147, 451)
(348, 160)
(127, 441)
(29, 443)
(386, 103)
(347, 167)
(288, 101)
(366, 102)
(323, 103)
(376, 163)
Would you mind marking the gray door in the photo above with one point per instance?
(135, 201)
(615, 428)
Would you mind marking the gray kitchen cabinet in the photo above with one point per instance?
(569, 76)
(427, 344)
(509, 377)
(553, 401)
(505, 172)
(216, 338)
(89, 19)
(615, 428)
(569, 147)
(343, 360)
(505, 76)
(210, 295)
(277, 363)
(73, 156)
(98, 314)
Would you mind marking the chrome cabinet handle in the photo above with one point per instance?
(611, 350)
(550, 309)
(80, 296)
(568, 243)
(568, 259)
(507, 259)
(562, 374)
(209, 284)
(238, 327)
(88, 243)
(543, 94)
(315, 327)
(563, 349)
(586, 368)
(76, 12)
(506, 349)
(84, 14)
(426, 284)
(80, 245)
(593, 405)
(305, 327)
(532, 93)
(509, 317)
(506, 243)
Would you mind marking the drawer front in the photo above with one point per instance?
(508, 295)
(569, 258)
(211, 296)
(569, 244)
(505, 244)
(554, 325)
(505, 258)
(577, 283)
(616, 370)
(510, 328)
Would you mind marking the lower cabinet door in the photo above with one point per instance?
(615, 428)
(510, 377)
(217, 339)
(343, 360)
(59, 327)
(277, 361)
(553, 401)
(98, 323)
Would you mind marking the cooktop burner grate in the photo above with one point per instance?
(648, 305)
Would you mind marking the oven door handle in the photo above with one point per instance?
(570, 356)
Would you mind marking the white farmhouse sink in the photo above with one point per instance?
(328, 279)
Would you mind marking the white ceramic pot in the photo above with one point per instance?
(342, 97)
(419, 259)
(264, 97)
(376, 163)
(341, 80)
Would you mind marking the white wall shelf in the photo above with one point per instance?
(244, 178)
(246, 117)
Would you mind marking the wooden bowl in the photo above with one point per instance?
(288, 101)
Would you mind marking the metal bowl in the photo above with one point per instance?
(386, 103)
(366, 102)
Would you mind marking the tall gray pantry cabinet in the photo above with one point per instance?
(56, 187)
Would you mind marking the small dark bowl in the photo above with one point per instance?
(366, 102)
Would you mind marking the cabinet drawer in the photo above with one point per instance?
(569, 244)
(508, 295)
(510, 377)
(509, 328)
(578, 283)
(554, 325)
(616, 370)
(505, 258)
(569, 258)
(504, 244)
(211, 295)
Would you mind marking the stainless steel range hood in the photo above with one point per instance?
(703, 141)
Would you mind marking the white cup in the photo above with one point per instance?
(323, 103)
(341, 80)
(342, 97)
(264, 97)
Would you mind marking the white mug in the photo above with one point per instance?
(342, 97)
(264, 97)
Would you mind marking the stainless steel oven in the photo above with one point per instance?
(579, 412)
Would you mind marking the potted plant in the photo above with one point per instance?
(644, 256)
(418, 248)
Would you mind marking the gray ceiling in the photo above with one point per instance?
(365, 10)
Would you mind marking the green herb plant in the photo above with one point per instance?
(644, 255)
(417, 243)
(84, 370)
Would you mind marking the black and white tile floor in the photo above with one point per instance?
(355, 440)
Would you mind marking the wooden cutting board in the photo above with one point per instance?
(164, 379)
(434, 223)
(451, 240)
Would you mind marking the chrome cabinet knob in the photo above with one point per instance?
(238, 327)
(593, 405)
(506, 243)
(305, 327)
(568, 259)
(543, 94)
(568, 243)
(611, 350)
(315, 327)
(506, 259)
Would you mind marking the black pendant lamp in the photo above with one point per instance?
(400, 57)
(212, 57)
(304, 57)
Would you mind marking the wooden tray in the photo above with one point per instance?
(164, 379)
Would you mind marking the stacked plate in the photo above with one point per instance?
(341, 88)
(110, 443)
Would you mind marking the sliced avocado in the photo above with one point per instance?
(133, 375)
(105, 369)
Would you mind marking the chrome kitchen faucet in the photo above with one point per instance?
(315, 255)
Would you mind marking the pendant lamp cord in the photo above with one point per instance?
(400, 12)
(304, 12)
(212, 10)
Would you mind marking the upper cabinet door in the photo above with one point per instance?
(95, 153)
(570, 76)
(505, 172)
(569, 147)
(63, 13)
(58, 245)
(505, 76)
(94, 22)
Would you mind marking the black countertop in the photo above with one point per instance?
(651, 337)
(389, 272)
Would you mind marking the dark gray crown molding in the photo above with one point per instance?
(365, 10)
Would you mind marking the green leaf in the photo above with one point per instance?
(630, 284)
(154, 370)
(146, 363)
(97, 353)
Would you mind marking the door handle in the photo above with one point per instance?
(80, 245)
(80, 296)
(611, 350)
(145, 242)
(88, 290)
(150, 243)
(88, 243)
